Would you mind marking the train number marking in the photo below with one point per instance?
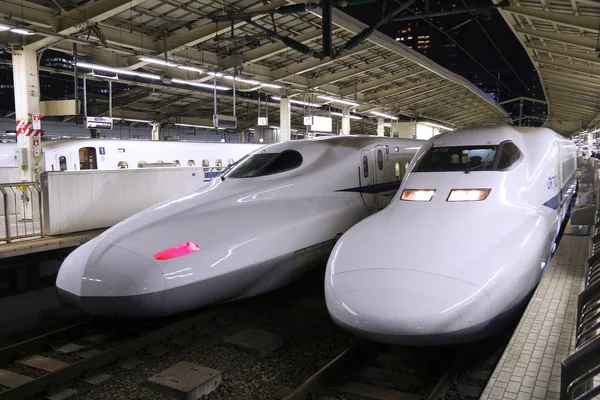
(552, 182)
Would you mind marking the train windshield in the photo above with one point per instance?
(261, 164)
(458, 158)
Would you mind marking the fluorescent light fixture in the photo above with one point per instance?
(271, 85)
(217, 74)
(199, 84)
(196, 126)
(250, 81)
(341, 115)
(157, 61)
(135, 120)
(379, 114)
(303, 103)
(4, 28)
(21, 31)
(273, 127)
(350, 103)
(438, 126)
(116, 77)
(117, 70)
(188, 68)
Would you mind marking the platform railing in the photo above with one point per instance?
(26, 219)
(580, 371)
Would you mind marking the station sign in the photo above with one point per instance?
(307, 120)
(263, 121)
(36, 146)
(99, 123)
(37, 121)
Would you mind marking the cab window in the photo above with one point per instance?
(457, 158)
(62, 162)
(509, 155)
(266, 164)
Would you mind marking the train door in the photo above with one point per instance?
(379, 176)
(87, 158)
(366, 179)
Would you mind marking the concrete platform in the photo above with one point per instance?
(35, 245)
(530, 365)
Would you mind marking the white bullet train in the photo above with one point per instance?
(264, 223)
(103, 154)
(463, 243)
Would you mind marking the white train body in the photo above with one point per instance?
(103, 154)
(268, 219)
(437, 268)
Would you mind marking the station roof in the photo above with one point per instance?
(561, 38)
(380, 74)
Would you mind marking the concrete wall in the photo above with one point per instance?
(83, 200)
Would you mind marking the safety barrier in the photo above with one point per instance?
(580, 371)
(27, 218)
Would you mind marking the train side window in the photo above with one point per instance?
(141, 164)
(122, 165)
(509, 155)
(380, 160)
(218, 163)
(177, 163)
(397, 170)
(205, 163)
(191, 163)
(230, 161)
(62, 161)
(159, 161)
(406, 165)
(365, 166)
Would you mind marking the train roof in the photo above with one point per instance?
(495, 134)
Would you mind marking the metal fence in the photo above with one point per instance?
(25, 219)
(580, 371)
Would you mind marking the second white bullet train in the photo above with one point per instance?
(269, 219)
(463, 243)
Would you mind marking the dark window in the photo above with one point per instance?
(265, 164)
(365, 166)
(62, 161)
(191, 163)
(458, 158)
(509, 155)
(380, 160)
(177, 163)
(122, 165)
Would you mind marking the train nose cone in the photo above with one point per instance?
(403, 307)
(107, 280)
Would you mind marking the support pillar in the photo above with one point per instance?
(346, 122)
(155, 131)
(285, 119)
(590, 143)
(27, 102)
(380, 127)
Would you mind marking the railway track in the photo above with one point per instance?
(369, 370)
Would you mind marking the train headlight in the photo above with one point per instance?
(468, 194)
(177, 251)
(417, 194)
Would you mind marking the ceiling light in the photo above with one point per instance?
(196, 126)
(21, 31)
(117, 70)
(250, 81)
(217, 74)
(200, 84)
(350, 103)
(349, 115)
(4, 28)
(134, 120)
(383, 115)
(438, 126)
(188, 68)
(303, 103)
(157, 61)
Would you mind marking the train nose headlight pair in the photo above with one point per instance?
(455, 194)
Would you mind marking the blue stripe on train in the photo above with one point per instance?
(373, 189)
(556, 201)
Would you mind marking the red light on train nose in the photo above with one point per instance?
(177, 251)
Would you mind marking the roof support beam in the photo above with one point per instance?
(580, 41)
(551, 74)
(272, 49)
(455, 105)
(401, 90)
(437, 97)
(580, 90)
(375, 83)
(28, 12)
(81, 18)
(351, 72)
(570, 67)
(578, 55)
(410, 100)
(573, 21)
